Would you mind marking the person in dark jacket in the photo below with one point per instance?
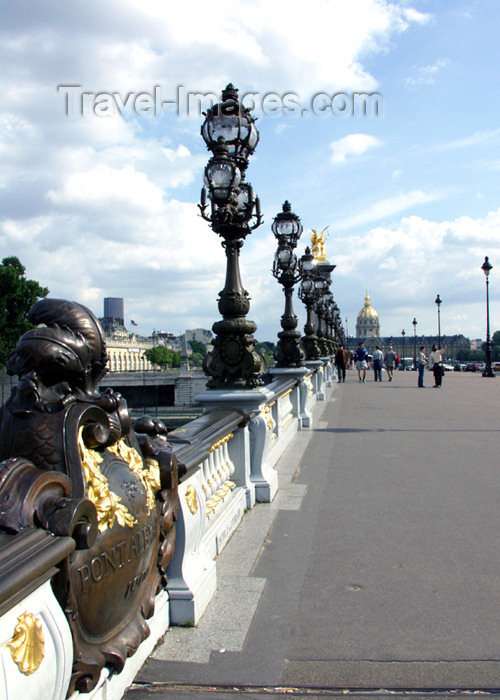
(341, 363)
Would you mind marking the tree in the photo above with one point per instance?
(266, 348)
(17, 296)
(196, 359)
(198, 347)
(163, 356)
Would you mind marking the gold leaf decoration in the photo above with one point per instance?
(149, 478)
(268, 417)
(221, 442)
(107, 503)
(191, 499)
(27, 646)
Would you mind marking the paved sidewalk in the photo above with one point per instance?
(376, 567)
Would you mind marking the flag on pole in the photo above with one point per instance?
(133, 323)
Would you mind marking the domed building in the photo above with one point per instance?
(368, 325)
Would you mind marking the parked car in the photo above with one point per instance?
(495, 366)
(447, 367)
(472, 367)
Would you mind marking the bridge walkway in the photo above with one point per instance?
(376, 567)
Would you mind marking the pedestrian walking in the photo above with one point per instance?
(390, 360)
(421, 365)
(360, 357)
(436, 365)
(341, 362)
(378, 358)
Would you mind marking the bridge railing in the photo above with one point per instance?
(227, 463)
(228, 458)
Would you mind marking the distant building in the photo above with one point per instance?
(127, 354)
(368, 332)
(199, 334)
(114, 315)
(368, 325)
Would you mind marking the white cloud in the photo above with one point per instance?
(352, 145)
(105, 188)
(406, 265)
(426, 75)
(388, 207)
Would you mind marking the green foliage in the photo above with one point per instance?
(17, 296)
(471, 356)
(266, 349)
(163, 356)
(196, 359)
(198, 347)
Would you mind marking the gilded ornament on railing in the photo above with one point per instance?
(308, 383)
(150, 478)
(221, 442)
(107, 503)
(191, 499)
(27, 646)
(268, 417)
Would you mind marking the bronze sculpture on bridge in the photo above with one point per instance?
(73, 464)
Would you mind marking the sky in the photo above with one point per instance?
(102, 159)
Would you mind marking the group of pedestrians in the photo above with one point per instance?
(390, 360)
(434, 363)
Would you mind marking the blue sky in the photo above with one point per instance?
(98, 206)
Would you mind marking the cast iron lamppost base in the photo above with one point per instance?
(287, 229)
(486, 268)
(230, 133)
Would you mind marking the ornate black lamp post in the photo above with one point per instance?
(438, 302)
(414, 343)
(307, 294)
(230, 133)
(286, 269)
(403, 333)
(486, 268)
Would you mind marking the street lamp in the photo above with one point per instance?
(486, 268)
(414, 322)
(234, 212)
(403, 333)
(307, 294)
(438, 302)
(286, 269)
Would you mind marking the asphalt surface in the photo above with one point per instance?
(377, 568)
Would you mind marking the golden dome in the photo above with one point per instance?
(367, 311)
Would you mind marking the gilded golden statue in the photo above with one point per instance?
(318, 244)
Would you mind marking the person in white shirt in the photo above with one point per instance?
(377, 363)
(436, 365)
(421, 363)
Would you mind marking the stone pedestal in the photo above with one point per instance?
(304, 416)
(317, 377)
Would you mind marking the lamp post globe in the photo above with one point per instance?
(233, 122)
(486, 268)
